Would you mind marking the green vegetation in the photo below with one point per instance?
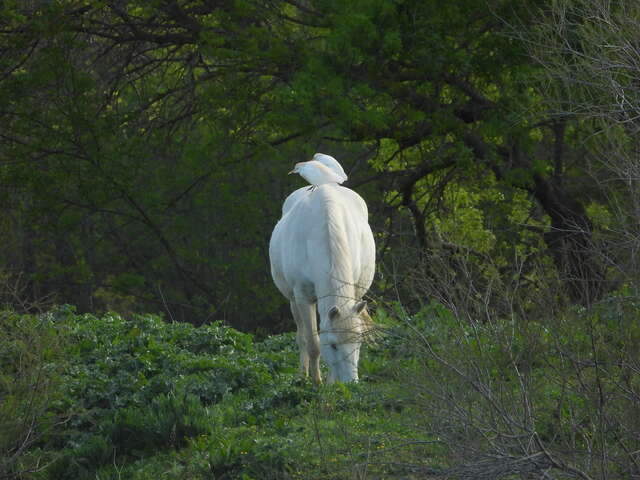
(144, 147)
(138, 398)
(141, 398)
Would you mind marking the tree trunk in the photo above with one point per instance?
(571, 243)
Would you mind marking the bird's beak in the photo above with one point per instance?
(292, 171)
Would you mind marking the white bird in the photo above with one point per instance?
(316, 173)
(321, 170)
(332, 163)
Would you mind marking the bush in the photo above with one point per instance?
(168, 422)
(31, 389)
(141, 386)
(443, 394)
(527, 394)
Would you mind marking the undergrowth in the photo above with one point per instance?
(86, 397)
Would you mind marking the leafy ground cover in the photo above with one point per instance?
(141, 398)
(87, 397)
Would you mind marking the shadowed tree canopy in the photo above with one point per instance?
(145, 145)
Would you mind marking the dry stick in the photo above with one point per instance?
(164, 302)
(558, 464)
(509, 421)
(316, 431)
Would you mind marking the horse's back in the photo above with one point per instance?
(300, 246)
(317, 196)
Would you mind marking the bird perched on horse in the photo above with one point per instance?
(321, 170)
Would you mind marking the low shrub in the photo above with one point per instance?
(32, 362)
(522, 395)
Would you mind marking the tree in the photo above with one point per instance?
(145, 144)
(589, 58)
(119, 135)
(449, 89)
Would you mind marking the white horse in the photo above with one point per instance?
(322, 255)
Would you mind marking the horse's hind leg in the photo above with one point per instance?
(301, 340)
(307, 338)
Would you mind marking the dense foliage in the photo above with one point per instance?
(145, 144)
(139, 397)
(87, 397)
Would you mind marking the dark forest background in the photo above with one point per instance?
(145, 145)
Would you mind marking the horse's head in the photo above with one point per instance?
(341, 335)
